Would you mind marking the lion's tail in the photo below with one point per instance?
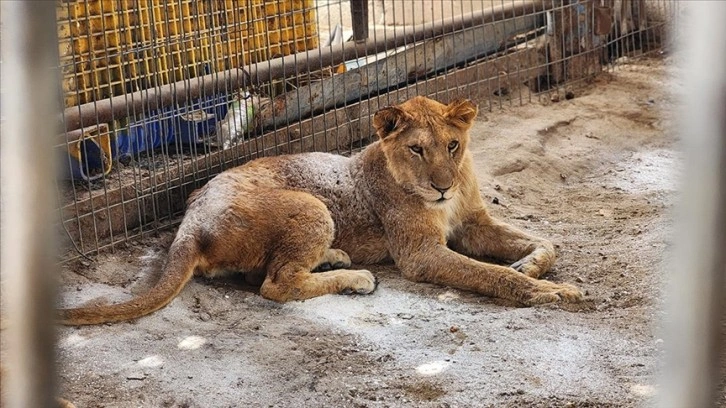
(183, 258)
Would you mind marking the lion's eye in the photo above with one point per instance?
(453, 145)
(416, 149)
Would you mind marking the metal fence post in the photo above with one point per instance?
(29, 108)
(359, 14)
(696, 269)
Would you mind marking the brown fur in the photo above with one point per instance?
(408, 197)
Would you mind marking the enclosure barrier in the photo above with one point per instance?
(263, 72)
(695, 313)
(27, 259)
(544, 47)
(183, 90)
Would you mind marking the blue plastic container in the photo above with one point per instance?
(192, 124)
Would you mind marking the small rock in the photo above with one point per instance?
(497, 187)
(204, 316)
(405, 316)
(555, 97)
(136, 376)
(453, 329)
(495, 200)
(579, 279)
(590, 135)
(569, 95)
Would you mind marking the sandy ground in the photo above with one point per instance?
(596, 174)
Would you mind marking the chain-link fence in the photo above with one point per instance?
(161, 96)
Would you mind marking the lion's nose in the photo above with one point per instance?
(441, 190)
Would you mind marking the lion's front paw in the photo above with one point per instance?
(359, 282)
(548, 292)
(538, 262)
(333, 259)
(529, 267)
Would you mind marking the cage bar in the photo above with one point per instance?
(164, 77)
(28, 261)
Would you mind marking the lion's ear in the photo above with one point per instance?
(461, 113)
(390, 120)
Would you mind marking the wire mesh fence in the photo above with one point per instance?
(161, 96)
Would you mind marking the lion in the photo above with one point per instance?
(294, 224)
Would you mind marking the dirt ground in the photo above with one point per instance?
(596, 174)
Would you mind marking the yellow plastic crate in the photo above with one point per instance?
(112, 47)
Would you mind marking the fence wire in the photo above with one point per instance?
(161, 96)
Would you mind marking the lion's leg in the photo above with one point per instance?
(296, 283)
(442, 266)
(483, 236)
(304, 246)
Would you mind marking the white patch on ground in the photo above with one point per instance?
(150, 256)
(191, 343)
(90, 292)
(648, 171)
(72, 340)
(151, 361)
(643, 390)
(433, 368)
(423, 335)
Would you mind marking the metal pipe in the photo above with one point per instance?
(359, 16)
(30, 92)
(178, 93)
(695, 309)
(413, 63)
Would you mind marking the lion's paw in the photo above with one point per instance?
(333, 259)
(548, 292)
(528, 267)
(360, 282)
(538, 262)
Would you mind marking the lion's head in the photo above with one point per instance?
(425, 143)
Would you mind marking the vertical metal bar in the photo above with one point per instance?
(283, 16)
(695, 290)
(363, 122)
(72, 19)
(30, 93)
(316, 8)
(89, 89)
(359, 13)
(106, 31)
(356, 56)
